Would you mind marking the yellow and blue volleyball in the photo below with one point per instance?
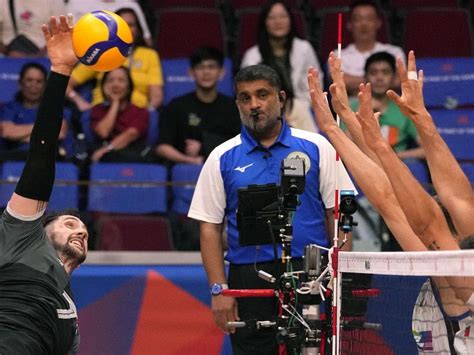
(102, 40)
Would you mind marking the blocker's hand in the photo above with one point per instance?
(411, 102)
(59, 45)
(368, 120)
(324, 118)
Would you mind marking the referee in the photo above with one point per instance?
(37, 256)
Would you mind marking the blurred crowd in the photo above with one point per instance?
(107, 117)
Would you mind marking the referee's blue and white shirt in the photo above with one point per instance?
(242, 161)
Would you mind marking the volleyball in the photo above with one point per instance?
(102, 40)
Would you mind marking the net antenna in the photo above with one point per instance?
(336, 300)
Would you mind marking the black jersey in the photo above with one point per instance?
(37, 314)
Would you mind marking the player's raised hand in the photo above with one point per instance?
(369, 120)
(324, 118)
(411, 101)
(340, 100)
(58, 38)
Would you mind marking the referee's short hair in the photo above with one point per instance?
(258, 72)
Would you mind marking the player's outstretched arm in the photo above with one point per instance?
(450, 182)
(423, 213)
(36, 182)
(369, 176)
(342, 107)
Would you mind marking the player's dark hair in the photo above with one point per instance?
(206, 53)
(467, 243)
(258, 72)
(54, 215)
(447, 216)
(380, 57)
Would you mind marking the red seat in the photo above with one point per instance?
(328, 32)
(407, 4)
(438, 33)
(132, 232)
(164, 4)
(248, 28)
(325, 4)
(254, 4)
(181, 32)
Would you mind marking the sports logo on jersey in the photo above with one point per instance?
(243, 168)
(301, 155)
(423, 339)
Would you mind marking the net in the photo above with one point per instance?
(402, 303)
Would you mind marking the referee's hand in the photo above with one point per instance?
(225, 310)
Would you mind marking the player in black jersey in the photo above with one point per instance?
(37, 314)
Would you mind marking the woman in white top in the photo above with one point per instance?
(279, 47)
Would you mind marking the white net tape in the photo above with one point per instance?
(429, 263)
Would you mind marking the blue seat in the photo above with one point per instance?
(456, 127)
(65, 192)
(185, 175)
(178, 82)
(468, 169)
(153, 128)
(448, 81)
(130, 188)
(420, 171)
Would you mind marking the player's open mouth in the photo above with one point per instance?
(77, 243)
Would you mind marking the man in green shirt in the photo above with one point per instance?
(399, 131)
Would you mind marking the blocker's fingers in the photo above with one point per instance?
(411, 66)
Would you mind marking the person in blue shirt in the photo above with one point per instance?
(254, 157)
(18, 116)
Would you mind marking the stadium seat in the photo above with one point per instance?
(407, 4)
(153, 128)
(248, 4)
(195, 28)
(457, 129)
(448, 82)
(468, 169)
(127, 188)
(165, 4)
(127, 232)
(438, 33)
(328, 32)
(183, 193)
(178, 82)
(64, 195)
(10, 73)
(248, 28)
(420, 171)
(319, 5)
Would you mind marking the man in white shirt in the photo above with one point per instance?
(364, 24)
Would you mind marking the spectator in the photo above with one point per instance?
(279, 47)
(399, 131)
(79, 8)
(364, 23)
(18, 116)
(119, 126)
(194, 124)
(144, 65)
(254, 157)
(19, 23)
